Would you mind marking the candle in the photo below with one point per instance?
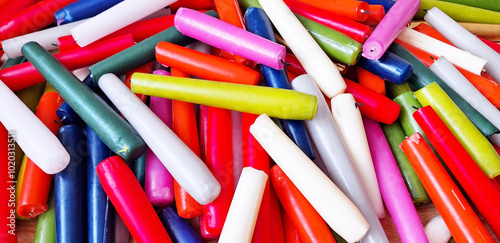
(291, 235)
(130, 201)
(392, 187)
(46, 224)
(388, 67)
(140, 54)
(395, 136)
(81, 10)
(461, 58)
(422, 76)
(348, 119)
(115, 18)
(308, 223)
(67, 115)
(159, 183)
(228, 37)
(11, 8)
(473, 141)
(259, 24)
(33, 137)
(460, 12)
(451, 76)
(388, 29)
(277, 228)
(460, 218)
(181, 162)
(178, 229)
(305, 48)
(111, 128)
(386, 3)
(239, 97)
(46, 38)
(193, 4)
(429, 31)
(409, 104)
(204, 65)
(393, 90)
(437, 231)
(242, 215)
(97, 200)
(8, 213)
(333, 206)
(357, 11)
(377, 13)
(490, 5)
(69, 188)
(373, 105)
(370, 80)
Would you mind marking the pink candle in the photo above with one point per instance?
(230, 38)
(386, 31)
(392, 187)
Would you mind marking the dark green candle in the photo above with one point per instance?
(335, 44)
(139, 54)
(114, 131)
(395, 136)
(393, 90)
(46, 226)
(423, 76)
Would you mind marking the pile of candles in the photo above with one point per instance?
(250, 120)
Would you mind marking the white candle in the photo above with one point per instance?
(331, 148)
(465, 40)
(115, 18)
(187, 168)
(453, 78)
(304, 47)
(46, 38)
(348, 119)
(245, 206)
(435, 47)
(328, 200)
(34, 138)
(437, 231)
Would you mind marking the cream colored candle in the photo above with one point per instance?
(437, 231)
(328, 200)
(244, 209)
(348, 119)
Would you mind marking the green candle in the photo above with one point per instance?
(423, 76)
(469, 136)
(461, 13)
(335, 44)
(244, 4)
(140, 53)
(394, 90)
(395, 136)
(278, 103)
(46, 226)
(409, 104)
(493, 5)
(116, 133)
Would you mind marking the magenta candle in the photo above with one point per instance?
(392, 187)
(386, 31)
(229, 38)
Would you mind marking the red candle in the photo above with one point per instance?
(130, 201)
(355, 10)
(476, 184)
(25, 75)
(204, 65)
(8, 232)
(277, 235)
(370, 80)
(495, 46)
(377, 13)
(357, 31)
(193, 4)
(184, 126)
(10, 8)
(219, 159)
(428, 30)
(291, 235)
(34, 193)
(308, 223)
(458, 215)
(373, 105)
(294, 65)
(31, 19)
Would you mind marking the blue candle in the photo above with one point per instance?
(96, 197)
(68, 115)
(178, 228)
(257, 22)
(69, 184)
(386, 3)
(389, 67)
(109, 223)
(82, 9)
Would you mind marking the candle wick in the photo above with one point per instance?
(357, 104)
(53, 44)
(284, 63)
(364, 11)
(58, 122)
(74, 41)
(414, 107)
(432, 58)
(426, 10)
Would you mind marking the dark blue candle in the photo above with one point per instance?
(109, 223)
(386, 3)
(68, 115)
(389, 67)
(258, 23)
(96, 197)
(178, 228)
(82, 9)
(69, 186)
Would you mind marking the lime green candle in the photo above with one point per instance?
(278, 103)
(460, 13)
(395, 136)
(335, 44)
(464, 130)
(46, 227)
(493, 5)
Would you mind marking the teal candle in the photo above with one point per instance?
(139, 169)
(395, 136)
(114, 131)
